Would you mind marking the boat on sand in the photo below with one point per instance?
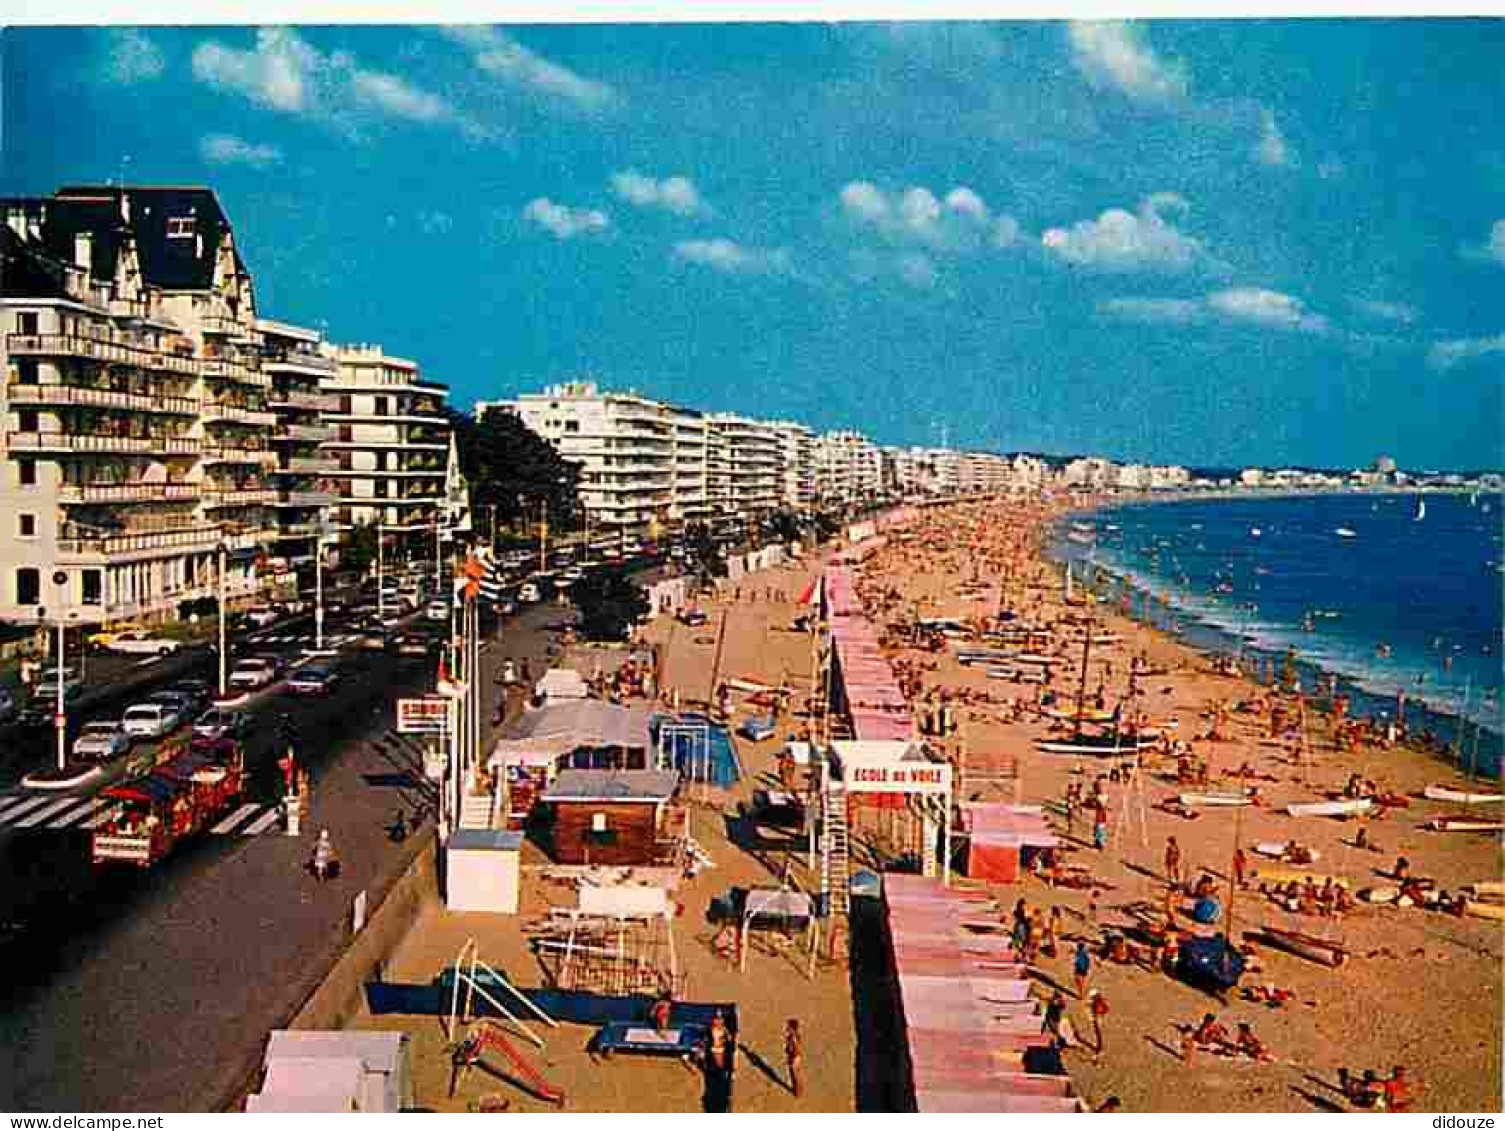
(1353, 808)
(1459, 796)
(1321, 951)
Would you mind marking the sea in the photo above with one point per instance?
(1405, 602)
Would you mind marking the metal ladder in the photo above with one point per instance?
(835, 851)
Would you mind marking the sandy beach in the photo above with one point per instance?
(1421, 989)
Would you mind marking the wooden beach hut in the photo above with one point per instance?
(608, 816)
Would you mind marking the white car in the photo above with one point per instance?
(45, 688)
(99, 742)
(252, 674)
(138, 641)
(436, 610)
(150, 720)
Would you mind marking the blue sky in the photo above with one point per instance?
(1210, 243)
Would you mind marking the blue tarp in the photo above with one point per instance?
(616, 1036)
(1210, 962)
(722, 768)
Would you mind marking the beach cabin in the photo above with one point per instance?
(607, 816)
(334, 1071)
(1001, 838)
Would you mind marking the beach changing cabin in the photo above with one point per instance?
(607, 816)
(999, 838)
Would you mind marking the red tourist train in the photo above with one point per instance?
(178, 798)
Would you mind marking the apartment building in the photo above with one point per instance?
(137, 431)
(390, 444)
(848, 469)
(748, 477)
(304, 488)
(797, 464)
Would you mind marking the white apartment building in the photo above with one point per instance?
(137, 436)
(747, 476)
(293, 358)
(797, 464)
(391, 441)
(848, 468)
(1090, 471)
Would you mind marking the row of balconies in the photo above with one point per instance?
(299, 360)
(71, 442)
(295, 398)
(127, 492)
(233, 453)
(95, 349)
(164, 404)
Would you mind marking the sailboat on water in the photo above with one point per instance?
(1421, 509)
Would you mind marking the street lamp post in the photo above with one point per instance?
(381, 585)
(319, 585)
(60, 719)
(224, 649)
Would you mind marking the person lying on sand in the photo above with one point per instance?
(1250, 1045)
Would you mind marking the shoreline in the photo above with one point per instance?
(1412, 972)
(1423, 715)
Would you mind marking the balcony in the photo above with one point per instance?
(313, 402)
(309, 433)
(239, 498)
(142, 543)
(161, 404)
(221, 325)
(299, 361)
(224, 453)
(214, 412)
(308, 466)
(69, 442)
(127, 492)
(307, 499)
(298, 530)
(224, 369)
(95, 349)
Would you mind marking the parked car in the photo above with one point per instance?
(261, 616)
(99, 641)
(101, 741)
(436, 609)
(217, 723)
(150, 720)
(140, 642)
(253, 673)
(412, 644)
(196, 691)
(312, 680)
(46, 686)
(183, 704)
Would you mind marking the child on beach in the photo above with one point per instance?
(794, 1055)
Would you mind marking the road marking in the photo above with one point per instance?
(46, 811)
(262, 823)
(149, 661)
(107, 813)
(78, 814)
(235, 818)
(30, 803)
(14, 801)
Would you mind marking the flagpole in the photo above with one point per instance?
(319, 586)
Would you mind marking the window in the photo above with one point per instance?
(572, 425)
(26, 371)
(381, 406)
(93, 587)
(28, 420)
(28, 586)
(26, 470)
(26, 322)
(180, 228)
(28, 526)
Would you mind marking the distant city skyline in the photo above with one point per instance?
(1213, 244)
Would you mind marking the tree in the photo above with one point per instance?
(785, 526)
(610, 603)
(358, 551)
(704, 551)
(511, 468)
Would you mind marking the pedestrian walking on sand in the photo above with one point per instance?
(1099, 1009)
(1081, 968)
(1172, 860)
(794, 1056)
(1100, 831)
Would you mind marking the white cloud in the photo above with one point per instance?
(1113, 53)
(731, 257)
(675, 194)
(435, 223)
(132, 57)
(1493, 249)
(565, 222)
(397, 97)
(286, 73)
(1386, 311)
(1445, 355)
(1174, 310)
(958, 222)
(227, 149)
(1266, 308)
(1123, 241)
(1272, 148)
(502, 57)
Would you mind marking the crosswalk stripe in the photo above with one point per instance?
(262, 823)
(40, 815)
(235, 818)
(30, 803)
(101, 817)
(15, 801)
(73, 816)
